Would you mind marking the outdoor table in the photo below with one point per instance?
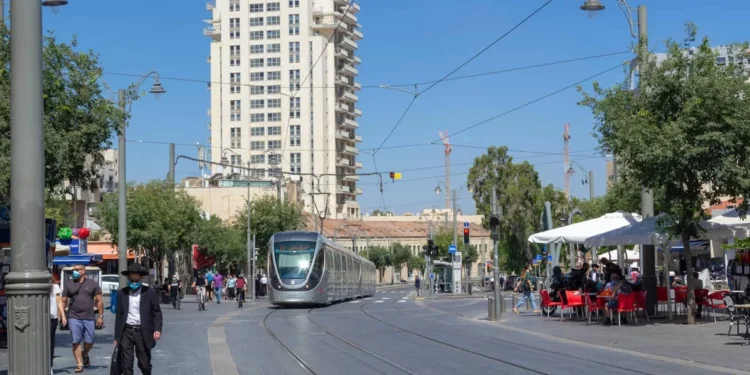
(744, 306)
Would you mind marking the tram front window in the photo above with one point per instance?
(293, 258)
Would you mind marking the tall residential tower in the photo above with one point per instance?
(283, 95)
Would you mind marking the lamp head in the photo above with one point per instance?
(157, 89)
(55, 5)
(438, 190)
(592, 6)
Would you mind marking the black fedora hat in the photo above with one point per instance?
(135, 268)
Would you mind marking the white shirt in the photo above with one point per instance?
(53, 301)
(134, 308)
(263, 280)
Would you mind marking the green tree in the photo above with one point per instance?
(378, 212)
(469, 256)
(59, 209)
(443, 239)
(268, 216)
(78, 123)
(417, 263)
(687, 129)
(401, 255)
(381, 257)
(224, 242)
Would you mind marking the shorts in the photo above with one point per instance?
(612, 305)
(81, 331)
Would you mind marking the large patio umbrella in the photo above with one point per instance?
(580, 232)
(731, 218)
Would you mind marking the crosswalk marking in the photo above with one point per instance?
(379, 301)
(401, 301)
(355, 301)
(404, 297)
(385, 298)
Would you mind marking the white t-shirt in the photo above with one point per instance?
(53, 301)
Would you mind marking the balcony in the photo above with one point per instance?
(342, 53)
(357, 35)
(349, 123)
(343, 163)
(349, 97)
(346, 16)
(357, 112)
(348, 44)
(357, 139)
(214, 31)
(340, 134)
(358, 164)
(343, 189)
(356, 60)
(350, 150)
(340, 2)
(341, 80)
(343, 107)
(357, 86)
(358, 191)
(351, 178)
(349, 70)
(211, 5)
(351, 203)
(326, 21)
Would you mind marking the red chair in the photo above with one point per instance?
(575, 300)
(598, 306)
(680, 297)
(715, 301)
(640, 302)
(626, 304)
(548, 303)
(661, 295)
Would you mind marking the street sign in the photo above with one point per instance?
(432, 275)
(549, 258)
(466, 224)
(535, 261)
(538, 258)
(452, 249)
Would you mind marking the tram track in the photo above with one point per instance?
(515, 343)
(357, 346)
(432, 339)
(294, 355)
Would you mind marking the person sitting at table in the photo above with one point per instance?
(610, 269)
(614, 288)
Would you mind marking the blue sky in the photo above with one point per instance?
(405, 41)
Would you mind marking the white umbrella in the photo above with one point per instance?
(731, 218)
(579, 232)
(647, 232)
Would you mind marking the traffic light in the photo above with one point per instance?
(395, 176)
(466, 236)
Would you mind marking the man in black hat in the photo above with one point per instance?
(138, 321)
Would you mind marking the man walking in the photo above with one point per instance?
(417, 285)
(218, 285)
(209, 284)
(82, 293)
(138, 321)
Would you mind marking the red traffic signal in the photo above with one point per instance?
(466, 235)
(392, 175)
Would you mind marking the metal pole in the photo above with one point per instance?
(455, 217)
(28, 285)
(253, 268)
(496, 260)
(171, 165)
(122, 191)
(250, 245)
(647, 196)
(591, 185)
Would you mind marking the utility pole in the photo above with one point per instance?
(171, 181)
(591, 185)
(122, 191)
(28, 284)
(495, 217)
(455, 217)
(252, 265)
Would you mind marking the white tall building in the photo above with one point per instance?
(272, 112)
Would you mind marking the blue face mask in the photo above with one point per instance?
(134, 285)
(76, 274)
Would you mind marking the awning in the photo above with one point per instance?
(72, 260)
(678, 248)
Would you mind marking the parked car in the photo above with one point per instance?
(108, 281)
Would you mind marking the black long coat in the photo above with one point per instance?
(151, 319)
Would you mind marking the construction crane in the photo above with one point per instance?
(448, 150)
(567, 168)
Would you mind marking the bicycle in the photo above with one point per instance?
(240, 298)
(201, 298)
(175, 301)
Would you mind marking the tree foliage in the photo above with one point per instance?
(268, 215)
(417, 263)
(224, 242)
(378, 212)
(469, 256)
(686, 131)
(78, 120)
(381, 257)
(401, 255)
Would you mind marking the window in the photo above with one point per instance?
(236, 82)
(274, 159)
(256, 8)
(234, 55)
(235, 108)
(258, 145)
(234, 28)
(274, 130)
(275, 89)
(274, 103)
(234, 5)
(256, 76)
(256, 103)
(294, 108)
(721, 60)
(294, 77)
(273, 7)
(256, 48)
(257, 117)
(235, 137)
(294, 3)
(294, 52)
(255, 173)
(257, 159)
(274, 145)
(274, 117)
(257, 131)
(294, 24)
(275, 20)
(274, 48)
(256, 90)
(256, 63)
(274, 76)
(274, 61)
(256, 21)
(294, 136)
(295, 161)
(256, 35)
(274, 34)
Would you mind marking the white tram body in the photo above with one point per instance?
(307, 268)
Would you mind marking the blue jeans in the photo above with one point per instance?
(523, 299)
(218, 294)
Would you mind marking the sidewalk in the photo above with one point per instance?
(705, 342)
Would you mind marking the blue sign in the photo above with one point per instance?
(432, 275)
(466, 224)
(538, 258)
(536, 261)
(549, 258)
(452, 249)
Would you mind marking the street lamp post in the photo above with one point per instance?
(28, 285)
(122, 186)
(647, 196)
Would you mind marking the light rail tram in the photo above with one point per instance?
(306, 268)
